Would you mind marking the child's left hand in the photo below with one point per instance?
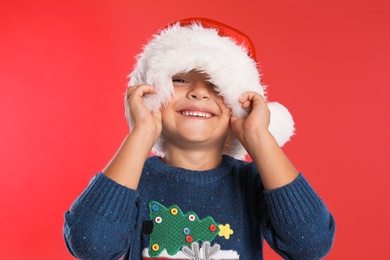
(257, 120)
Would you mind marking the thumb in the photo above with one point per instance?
(235, 120)
(157, 113)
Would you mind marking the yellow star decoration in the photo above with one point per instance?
(225, 231)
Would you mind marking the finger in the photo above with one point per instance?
(139, 91)
(129, 90)
(243, 98)
(246, 104)
(254, 98)
(157, 114)
(248, 96)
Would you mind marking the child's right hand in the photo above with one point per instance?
(143, 121)
(126, 166)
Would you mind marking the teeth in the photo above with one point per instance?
(196, 114)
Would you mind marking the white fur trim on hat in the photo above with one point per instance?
(178, 49)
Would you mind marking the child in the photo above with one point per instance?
(195, 98)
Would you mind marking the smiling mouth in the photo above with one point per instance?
(196, 114)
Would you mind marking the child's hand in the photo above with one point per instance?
(143, 120)
(126, 166)
(274, 167)
(257, 121)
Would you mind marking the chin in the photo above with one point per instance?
(196, 138)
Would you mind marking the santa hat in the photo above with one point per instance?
(225, 54)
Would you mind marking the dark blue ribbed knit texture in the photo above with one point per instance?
(109, 199)
(293, 203)
(105, 222)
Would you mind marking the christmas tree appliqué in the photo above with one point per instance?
(173, 230)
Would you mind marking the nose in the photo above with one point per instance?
(200, 91)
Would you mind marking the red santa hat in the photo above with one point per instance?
(225, 54)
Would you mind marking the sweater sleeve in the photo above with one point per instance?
(299, 225)
(100, 223)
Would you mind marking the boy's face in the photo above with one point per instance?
(196, 114)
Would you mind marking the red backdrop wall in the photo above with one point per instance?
(63, 67)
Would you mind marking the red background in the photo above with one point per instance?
(63, 68)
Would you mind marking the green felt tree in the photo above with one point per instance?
(172, 229)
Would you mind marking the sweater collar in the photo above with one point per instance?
(155, 164)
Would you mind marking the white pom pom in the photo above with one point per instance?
(282, 123)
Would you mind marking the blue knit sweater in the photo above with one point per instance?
(223, 213)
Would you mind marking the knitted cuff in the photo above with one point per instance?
(108, 198)
(293, 203)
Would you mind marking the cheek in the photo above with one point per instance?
(168, 117)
